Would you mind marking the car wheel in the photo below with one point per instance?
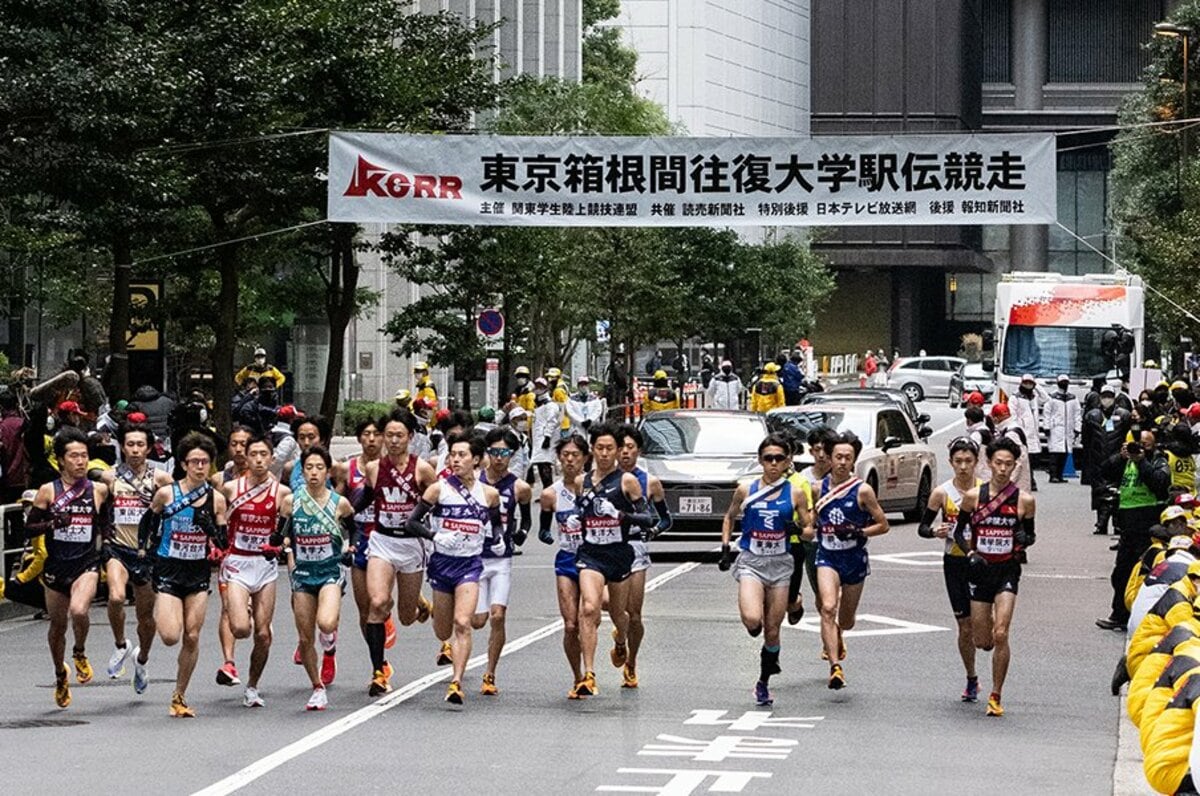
(873, 482)
(913, 391)
(924, 489)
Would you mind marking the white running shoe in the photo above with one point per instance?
(318, 700)
(328, 641)
(141, 679)
(116, 662)
(251, 699)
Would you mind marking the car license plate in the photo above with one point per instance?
(695, 505)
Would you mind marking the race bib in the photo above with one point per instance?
(997, 545)
(189, 545)
(603, 530)
(767, 543)
(79, 531)
(250, 542)
(395, 518)
(458, 537)
(128, 509)
(570, 532)
(313, 549)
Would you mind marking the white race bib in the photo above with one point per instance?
(188, 546)
(314, 548)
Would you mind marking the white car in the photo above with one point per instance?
(895, 460)
(921, 377)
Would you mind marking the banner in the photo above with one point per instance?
(678, 181)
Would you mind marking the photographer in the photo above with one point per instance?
(1144, 476)
(1104, 430)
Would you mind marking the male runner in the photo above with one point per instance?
(395, 558)
(256, 503)
(764, 563)
(964, 458)
(69, 513)
(465, 519)
(236, 466)
(848, 514)
(496, 580)
(185, 527)
(999, 517)
(559, 510)
(132, 485)
(804, 550)
(624, 652)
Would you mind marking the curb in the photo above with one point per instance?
(1128, 776)
(11, 610)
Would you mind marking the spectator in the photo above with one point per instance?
(1005, 425)
(258, 368)
(792, 377)
(1092, 399)
(707, 366)
(725, 389)
(157, 409)
(283, 440)
(981, 433)
(1025, 407)
(14, 463)
(1104, 430)
(1063, 421)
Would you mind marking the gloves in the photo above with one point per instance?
(846, 534)
(215, 554)
(348, 558)
(545, 536)
(272, 551)
(603, 508)
(726, 559)
(498, 548)
(519, 537)
(545, 443)
(976, 560)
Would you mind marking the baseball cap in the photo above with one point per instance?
(1027, 377)
(1063, 377)
(1000, 412)
(260, 352)
(1107, 389)
(1178, 385)
(420, 405)
(975, 398)
(1193, 412)
(517, 412)
(288, 412)
(1172, 513)
(540, 382)
(136, 417)
(70, 406)
(403, 394)
(1179, 542)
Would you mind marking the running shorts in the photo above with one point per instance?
(564, 565)
(954, 568)
(770, 571)
(988, 580)
(360, 552)
(405, 554)
(313, 585)
(641, 555)
(140, 570)
(852, 565)
(253, 573)
(60, 575)
(494, 584)
(181, 578)
(613, 561)
(446, 573)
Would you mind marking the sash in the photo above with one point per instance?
(69, 496)
(250, 494)
(124, 473)
(980, 514)
(184, 501)
(324, 516)
(465, 494)
(763, 493)
(835, 493)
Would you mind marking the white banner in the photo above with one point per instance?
(677, 181)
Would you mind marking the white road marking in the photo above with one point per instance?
(960, 422)
(891, 627)
(924, 558)
(265, 765)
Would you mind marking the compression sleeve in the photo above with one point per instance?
(1028, 531)
(362, 498)
(925, 529)
(545, 520)
(664, 515)
(283, 530)
(960, 531)
(416, 525)
(526, 517)
(497, 522)
(148, 529)
(39, 522)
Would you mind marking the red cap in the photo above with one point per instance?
(975, 398)
(420, 404)
(288, 412)
(70, 406)
(1193, 412)
(441, 415)
(136, 417)
(1000, 412)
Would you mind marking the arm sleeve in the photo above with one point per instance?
(416, 525)
(925, 529)
(497, 524)
(148, 529)
(545, 522)
(39, 522)
(526, 510)
(960, 531)
(362, 497)
(664, 516)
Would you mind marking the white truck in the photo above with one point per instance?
(1048, 324)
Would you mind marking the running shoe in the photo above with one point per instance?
(328, 641)
(971, 692)
(628, 677)
(116, 662)
(574, 692)
(328, 667)
(444, 658)
(489, 685)
(179, 708)
(619, 650)
(994, 707)
(837, 678)
(62, 687)
(379, 684)
(454, 693)
(83, 669)
(424, 609)
(762, 695)
(794, 615)
(587, 686)
(297, 658)
(228, 674)
(318, 700)
(251, 699)
(389, 634)
(141, 679)
(388, 671)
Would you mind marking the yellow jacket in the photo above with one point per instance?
(560, 396)
(1150, 559)
(800, 482)
(526, 400)
(1171, 609)
(660, 398)
(33, 561)
(766, 394)
(1156, 662)
(256, 373)
(1169, 745)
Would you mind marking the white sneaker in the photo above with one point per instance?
(318, 700)
(141, 679)
(251, 699)
(116, 662)
(328, 641)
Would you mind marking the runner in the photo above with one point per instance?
(964, 457)
(257, 506)
(465, 517)
(68, 513)
(848, 515)
(624, 653)
(316, 539)
(132, 485)
(496, 580)
(804, 550)
(395, 559)
(767, 506)
(185, 527)
(999, 517)
(559, 510)
(308, 431)
(236, 466)
(610, 505)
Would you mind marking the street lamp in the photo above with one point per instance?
(1184, 33)
(953, 293)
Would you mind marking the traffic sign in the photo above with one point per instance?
(490, 323)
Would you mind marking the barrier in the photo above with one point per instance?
(12, 542)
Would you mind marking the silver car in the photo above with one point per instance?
(700, 455)
(919, 377)
(895, 460)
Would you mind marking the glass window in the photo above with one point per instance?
(1099, 41)
(1046, 351)
(897, 427)
(800, 422)
(701, 436)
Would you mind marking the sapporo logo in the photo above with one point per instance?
(372, 180)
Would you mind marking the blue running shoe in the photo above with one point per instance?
(762, 695)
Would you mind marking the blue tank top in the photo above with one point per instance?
(841, 517)
(765, 519)
(182, 538)
(507, 487)
(597, 504)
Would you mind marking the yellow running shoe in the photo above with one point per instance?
(574, 692)
(489, 685)
(837, 678)
(179, 708)
(444, 656)
(994, 707)
(62, 687)
(424, 609)
(379, 684)
(83, 669)
(587, 686)
(454, 693)
(629, 677)
(619, 650)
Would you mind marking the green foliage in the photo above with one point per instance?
(355, 412)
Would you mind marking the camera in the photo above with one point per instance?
(1134, 448)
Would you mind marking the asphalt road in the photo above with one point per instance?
(898, 728)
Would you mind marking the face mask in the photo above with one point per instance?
(1063, 385)
(1107, 403)
(1147, 403)
(260, 361)
(266, 398)
(660, 383)
(522, 381)
(1026, 390)
(726, 369)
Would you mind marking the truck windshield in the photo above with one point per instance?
(1047, 351)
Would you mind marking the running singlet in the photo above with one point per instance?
(396, 495)
(994, 529)
(601, 505)
(840, 520)
(76, 537)
(316, 535)
(566, 518)
(459, 522)
(507, 487)
(131, 496)
(766, 515)
(356, 479)
(182, 538)
(950, 516)
(253, 514)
